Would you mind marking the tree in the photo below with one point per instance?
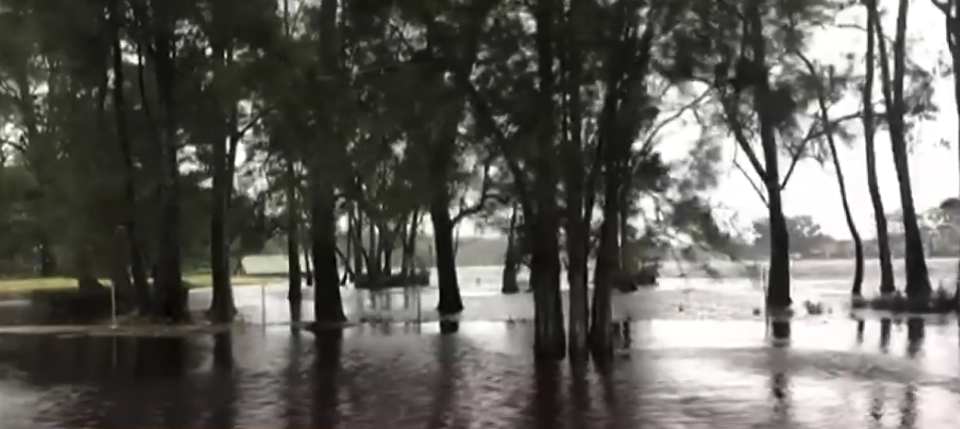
(869, 132)
(831, 83)
(898, 106)
(762, 109)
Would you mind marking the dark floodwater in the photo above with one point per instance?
(696, 357)
(833, 373)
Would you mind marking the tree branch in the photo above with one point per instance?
(814, 133)
(486, 195)
(737, 129)
(753, 184)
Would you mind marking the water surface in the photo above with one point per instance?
(694, 356)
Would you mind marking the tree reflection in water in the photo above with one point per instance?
(326, 370)
(916, 332)
(780, 388)
(443, 412)
(546, 408)
(223, 383)
(885, 325)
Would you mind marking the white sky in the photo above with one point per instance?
(813, 189)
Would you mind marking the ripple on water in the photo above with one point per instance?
(679, 373)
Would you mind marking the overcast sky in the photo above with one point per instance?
(934, 169)
(813, 190)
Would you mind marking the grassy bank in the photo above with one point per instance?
(15, 287)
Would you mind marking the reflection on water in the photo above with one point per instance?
(671, 373)
(885, 335)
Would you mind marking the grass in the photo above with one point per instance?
(22, 286)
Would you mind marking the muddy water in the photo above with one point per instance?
(668, 373)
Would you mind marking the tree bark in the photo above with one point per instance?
(450, 302)
(171, 297)
(141, 286)
(327, 303)
(857, 288)
(887, 285)
(45, 258)
(511, 260)
(549, 337)
(608, 255)
(222, 307)
(357, 238)
(577, 231)
(778, 289)
(294, 292)
(918, 278)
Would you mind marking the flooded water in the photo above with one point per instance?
(694, 356)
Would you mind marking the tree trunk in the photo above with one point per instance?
(387, 244)
(577, 230)
(857, 288)
(83, 261)
(953, 43)
(374, 264)
(357, 238)
(294, 292)
(918, 278)
(778, 289)
(327, 303)
(608, 257)
(222, 307)
(409, 244)
(45, 260)
(549, 337)
(450, 302)
(171, 297)
(511, 260)
(869, 126)
(307, 258)
(141, 286)
(778, 277)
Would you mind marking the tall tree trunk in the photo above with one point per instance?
(374, 262)
(410, 244)
(221, 306)
(294, 292)
(171, 297)
(857, 289)
(511, 260)
(887, 285)
(45, 258)
(624, 102)
(83, 267)
(623, 228)
(327, 303)
(918, 278)
(953, 42)
(577, 231)
(608, 254)
(450, 302)
(357, 238)
(778, 289)
(141, 286)
(387, 243)
(307, 268)
(549, 337)
(951, 11)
